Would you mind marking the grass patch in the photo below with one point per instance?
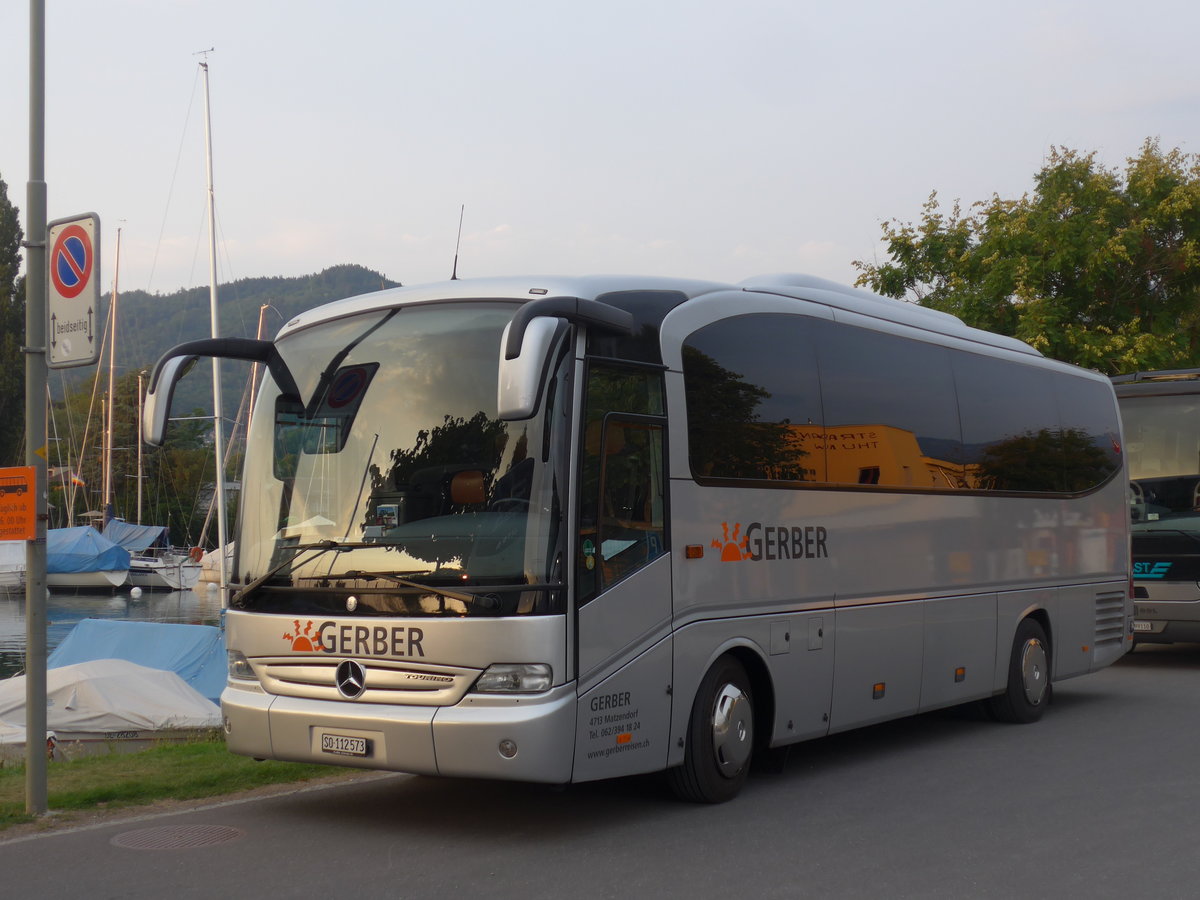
(170, 771)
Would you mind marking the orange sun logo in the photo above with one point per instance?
(303, 641)
(732, 549)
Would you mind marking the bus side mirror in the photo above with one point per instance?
(158, 398)
(520, 381)
(177, 361)
(527, 339)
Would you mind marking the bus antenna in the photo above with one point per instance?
(458, 243)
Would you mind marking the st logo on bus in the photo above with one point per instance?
(1151, 570)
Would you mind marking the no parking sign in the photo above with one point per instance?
(73, 291)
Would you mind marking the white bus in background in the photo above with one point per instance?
(565, 529)
(1160, 412)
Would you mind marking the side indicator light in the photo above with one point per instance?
(693, 551)
(878, 690)
(624, 738)
(960, 674)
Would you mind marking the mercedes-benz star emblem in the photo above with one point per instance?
(351, 678)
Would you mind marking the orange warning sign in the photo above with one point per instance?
(18, 509)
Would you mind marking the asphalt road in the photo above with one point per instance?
(1099, 799)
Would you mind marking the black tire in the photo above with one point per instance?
(1027, 694)
(720, 737)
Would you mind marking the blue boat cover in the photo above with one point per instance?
(196, 653)
(82, 549)
(135, 538)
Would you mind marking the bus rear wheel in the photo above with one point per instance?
(1028, 690)
(720, 737)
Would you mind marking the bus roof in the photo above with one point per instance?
(522, 289)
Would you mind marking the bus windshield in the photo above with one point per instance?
(1162, 436)
(392, 472)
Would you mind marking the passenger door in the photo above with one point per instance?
(623, 576)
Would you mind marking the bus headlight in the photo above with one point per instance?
(239, 666)
(514, 678)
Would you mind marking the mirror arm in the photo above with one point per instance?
(573, 309)
(175, 363)
(234, 348)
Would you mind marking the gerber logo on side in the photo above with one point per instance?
(771, 542)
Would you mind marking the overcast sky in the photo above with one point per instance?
(699, 139)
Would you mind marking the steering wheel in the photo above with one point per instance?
(509, 504)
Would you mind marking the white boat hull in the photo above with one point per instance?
(164, 574)
(104, 580)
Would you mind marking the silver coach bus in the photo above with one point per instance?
(1160, 412)
(565, 529)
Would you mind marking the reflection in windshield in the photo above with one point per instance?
(450, 470)
(1162, 441)
(402, 457)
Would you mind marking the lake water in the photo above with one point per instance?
(64, 611)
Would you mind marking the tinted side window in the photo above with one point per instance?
(891, 414)
(1010, 425)
(1033, 430)
(1090, 432)
(754, 401)
(794, 399)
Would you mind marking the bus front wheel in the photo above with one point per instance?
(1028, 690)
(720, 737)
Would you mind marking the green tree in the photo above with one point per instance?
(12, 334)
(1095, 266)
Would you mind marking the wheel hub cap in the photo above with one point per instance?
(1034, 674)
(731, 730)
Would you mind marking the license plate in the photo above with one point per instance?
(344, 745)
(1142, 626)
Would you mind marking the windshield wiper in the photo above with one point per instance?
(322, 547)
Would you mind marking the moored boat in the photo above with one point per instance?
(167, 572)
(106, 705)
(153, 565)
(81, 558)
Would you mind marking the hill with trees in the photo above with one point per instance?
(150, 324)
(178, 477)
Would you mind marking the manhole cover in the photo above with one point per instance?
(176, 837)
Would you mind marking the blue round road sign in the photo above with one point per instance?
(71, 261)
(348, 386)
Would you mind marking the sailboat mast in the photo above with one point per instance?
(218, 430)
(112, 393)
(141, 375)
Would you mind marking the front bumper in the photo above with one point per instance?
(1169, 613)
(518, 737)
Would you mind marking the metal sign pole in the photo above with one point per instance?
(36, 271)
